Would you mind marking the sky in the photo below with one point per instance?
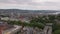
(30, 4)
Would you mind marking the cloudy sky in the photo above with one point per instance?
(30, 4)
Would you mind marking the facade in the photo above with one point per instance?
(12, 30)
(47, 30)
(8, 29)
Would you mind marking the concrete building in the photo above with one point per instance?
(4, 26)
(8, 29)
(11, 19)
(47, 30)
(12, 30)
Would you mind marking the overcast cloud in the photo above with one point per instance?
(30, 4)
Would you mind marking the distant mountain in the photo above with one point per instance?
(27, 11)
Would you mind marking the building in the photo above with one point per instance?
(12, 30)
(8, 29)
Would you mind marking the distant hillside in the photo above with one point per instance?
(26, 11)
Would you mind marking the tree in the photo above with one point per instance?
(56, 26)
(56, 32)
(58, 17)
(39, 19)
(11, 22)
